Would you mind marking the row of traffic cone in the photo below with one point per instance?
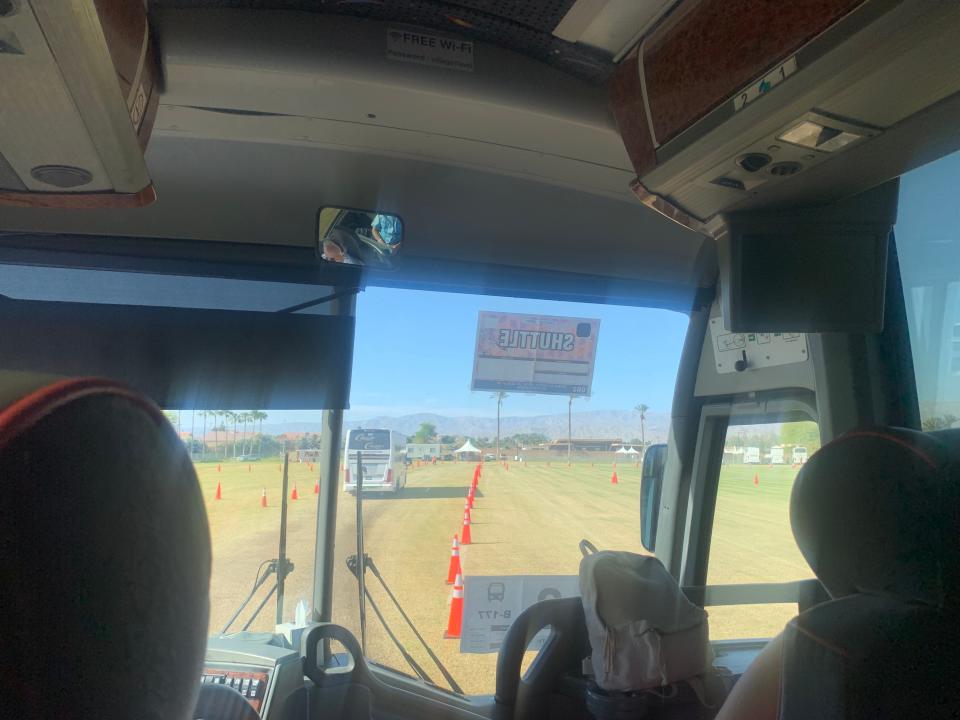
(455, 569)
(294, 494)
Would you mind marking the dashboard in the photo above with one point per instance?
(251, 684)
(264, 673)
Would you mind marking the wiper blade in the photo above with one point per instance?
(421, 673)
(369, 563)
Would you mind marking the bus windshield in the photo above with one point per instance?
(369, 440)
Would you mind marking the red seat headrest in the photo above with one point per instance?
(105, 559)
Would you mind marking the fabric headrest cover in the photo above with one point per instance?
(874, 512)
(105, 558)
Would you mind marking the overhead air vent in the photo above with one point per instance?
(61, 176)
(821, 80)
(751, 162)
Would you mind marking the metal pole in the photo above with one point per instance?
(282, 555)
(569, 427)
(362, 567)
(331, 444)
(499, 400)
(327, 515)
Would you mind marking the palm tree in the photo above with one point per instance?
(248, 438)
(241, 419)
(193, 428)
(220, 415)
(259, 416)
(500, 396)
(203, 436)
(642, 409)
(231, 417)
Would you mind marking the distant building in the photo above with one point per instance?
(424, 451)
(587, 444)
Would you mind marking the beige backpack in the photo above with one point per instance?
(643, 630)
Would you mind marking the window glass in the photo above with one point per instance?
(752, 540)
(238, 456)
(413, 364)
(928, 244)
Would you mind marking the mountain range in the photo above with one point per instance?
(623, 424)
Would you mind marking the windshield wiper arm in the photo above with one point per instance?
(421, 673)
(352, 565)
(273, 566)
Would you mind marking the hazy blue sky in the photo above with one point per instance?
(414, 353)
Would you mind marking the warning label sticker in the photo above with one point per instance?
(491, 603)
(428, 49)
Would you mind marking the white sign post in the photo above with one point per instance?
(539, 354)
(491, 603)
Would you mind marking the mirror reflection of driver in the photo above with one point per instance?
(336, 247)
(387, 230)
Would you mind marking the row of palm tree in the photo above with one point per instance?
(224, 420)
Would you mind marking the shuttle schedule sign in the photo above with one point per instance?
(534, 353)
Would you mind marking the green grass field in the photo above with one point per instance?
(527, 520)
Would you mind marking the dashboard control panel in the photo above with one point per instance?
(251, 684)
(258, 666)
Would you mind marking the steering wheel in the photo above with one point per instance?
(222, 702)
(525, 698)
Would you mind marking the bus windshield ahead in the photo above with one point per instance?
(368, 440)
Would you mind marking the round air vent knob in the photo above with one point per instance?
(782, 169)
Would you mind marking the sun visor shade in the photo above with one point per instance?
(183, 357)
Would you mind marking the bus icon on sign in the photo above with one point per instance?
(495, 592)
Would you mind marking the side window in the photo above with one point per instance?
(752, 542)
(928, 246)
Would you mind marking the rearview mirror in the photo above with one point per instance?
(348, 236)
(651, 482)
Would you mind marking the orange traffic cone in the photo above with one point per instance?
(756, 479)
(455, 622)
(316, 488)
(454, 568)
(218, 467)
(219, 495)
(470, 497)
(465, 530)
(263, 498)
(614, 480)
(294, 495)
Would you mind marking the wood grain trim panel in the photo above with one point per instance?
(712, 48)
(79, 201)
(626, 103)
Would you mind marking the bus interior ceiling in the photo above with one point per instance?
(265, 114)
(568, 149)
